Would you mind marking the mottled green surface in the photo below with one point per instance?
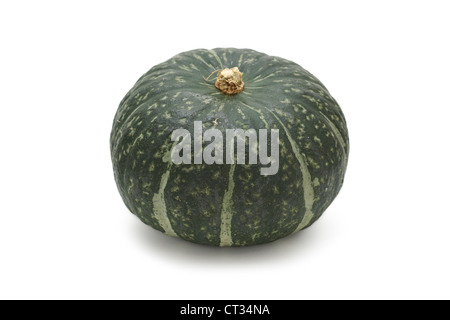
(229, 204)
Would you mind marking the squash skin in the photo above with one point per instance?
(278, 94)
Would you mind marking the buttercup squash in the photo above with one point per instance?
(229, 204)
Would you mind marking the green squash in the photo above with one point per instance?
(229, 204)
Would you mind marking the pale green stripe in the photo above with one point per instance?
(227, 211)
(217, 58)
(308, 190)
(207, 85)
(225, 59)
(240, 60)
(159, 203)
(258, 79)
(254, 88)
(261, 114)
(337, 134)
(202, 60)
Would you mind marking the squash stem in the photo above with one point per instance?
(229, 81)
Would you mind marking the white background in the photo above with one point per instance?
(64, 231)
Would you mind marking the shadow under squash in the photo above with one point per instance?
(181, 251)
